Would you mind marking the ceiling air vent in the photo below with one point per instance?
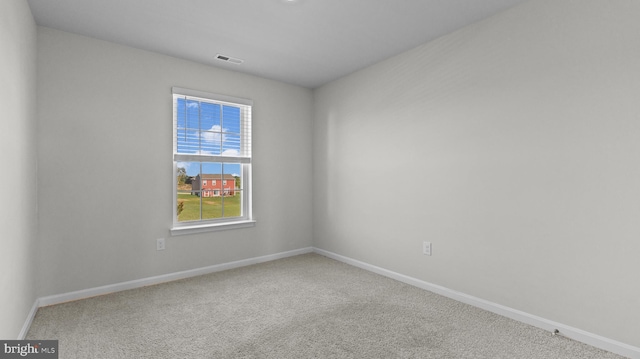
(232, 60)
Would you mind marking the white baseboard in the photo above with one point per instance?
(27, 323)
(542, 323)
(138, 283)
(565, 330)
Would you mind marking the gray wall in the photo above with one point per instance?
(18, 209)
(105, 167)
(518, 141)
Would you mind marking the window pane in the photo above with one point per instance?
(231, 119)
(211, 185)
(211, 142)
(180, 109)
(212, 205)
(211, 193)
(231, 145)
(210, 168)
(233, 171)
(188, 191)
(233, 205)
(188, 141)
(210, 116)
(188, 204)
(193, 114)
(232, 183)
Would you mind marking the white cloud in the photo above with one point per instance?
(192, 105)
(214, 135)
(231, 152)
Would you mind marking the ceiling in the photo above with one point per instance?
(303, 42)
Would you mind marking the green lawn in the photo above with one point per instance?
(211, 207)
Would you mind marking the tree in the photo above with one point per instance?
(180, 207)
(238, 181)
(182, 175)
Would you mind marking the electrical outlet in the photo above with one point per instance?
(426, 248)
(160, 244)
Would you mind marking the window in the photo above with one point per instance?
(211, 143)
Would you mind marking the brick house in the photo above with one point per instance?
(214, 185)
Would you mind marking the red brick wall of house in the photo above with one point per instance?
(209, 189)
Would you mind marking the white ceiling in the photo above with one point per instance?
(307, 42)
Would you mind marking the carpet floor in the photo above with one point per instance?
(307, 306)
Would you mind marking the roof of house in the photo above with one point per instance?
(216, 176)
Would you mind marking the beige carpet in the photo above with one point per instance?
(306, 306)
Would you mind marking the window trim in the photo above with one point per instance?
(246, 220)
(211, 227)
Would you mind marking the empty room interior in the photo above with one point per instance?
(500, 136)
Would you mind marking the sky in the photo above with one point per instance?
(208, 128)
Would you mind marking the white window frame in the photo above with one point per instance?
(244, 158)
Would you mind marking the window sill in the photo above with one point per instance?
(211, 227)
